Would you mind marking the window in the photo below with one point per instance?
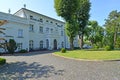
(47, 21)
(31, 17)
(51, 22)
(19, 45)
(47, 30)
(31, 28)
(47, 43)
(31, 44)
(61, 33)
(41, 44)
(51, 30)
(41, 20)
(41, 29)
(62, 44)
(20, 33)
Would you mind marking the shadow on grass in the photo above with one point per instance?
(23, 71)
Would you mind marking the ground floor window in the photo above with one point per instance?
(31, 43)
(47, 43)
(41, 44)
(62, 44)
(19, 46)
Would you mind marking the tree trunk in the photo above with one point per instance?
(71, 44)
(115, 37)
(81, 41)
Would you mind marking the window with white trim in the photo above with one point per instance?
(41, 29)
(31, 28)
(41, 44)
(20, 33)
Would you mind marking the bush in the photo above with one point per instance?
(96, 47)
(107, 48)
(2, 61)
(11, 46)
(63, 50)
(23, 51)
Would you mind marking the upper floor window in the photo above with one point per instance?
(61, 33)
(41, 20)
(41, 29)
(51, 22)
(20, 33)
(31, 28)
(51, 30)
(31, 17)
(47, 30)
(47, 21)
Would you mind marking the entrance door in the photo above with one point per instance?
(55, 44)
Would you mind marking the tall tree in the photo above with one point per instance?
(112, 26)
(82, 16)
(66, 9)
(94, 33)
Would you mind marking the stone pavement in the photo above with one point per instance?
(44, 66)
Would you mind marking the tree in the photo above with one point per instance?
(112, 26)
(82, 16)
(3, 44)
(71, 32)
(94, 33)
(66, 9)
(11, 46)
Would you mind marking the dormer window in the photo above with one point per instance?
(41, 20)
(47, 21)
(31, 17)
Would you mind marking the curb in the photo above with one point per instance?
(84, 59)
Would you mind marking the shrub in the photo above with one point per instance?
(23, 51)
(96, 47)
(107, 48)
(63, 50)
(2, 61)
(11, 46)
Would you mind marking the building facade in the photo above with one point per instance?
(34, 31)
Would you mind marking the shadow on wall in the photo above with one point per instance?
(23, 71)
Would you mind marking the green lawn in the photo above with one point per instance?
(91, 55)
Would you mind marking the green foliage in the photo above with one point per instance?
(96, 47)
(107, 48)
(91, 55)
(112, 26)
(82, 17)
(2, 61)
(63, 50)
(65, 8)
(11, 46)
(71, 31)
(23, 51)
(94, 33)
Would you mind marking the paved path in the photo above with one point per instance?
(37, 66)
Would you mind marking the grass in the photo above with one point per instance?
(91, 55)
(2, 61)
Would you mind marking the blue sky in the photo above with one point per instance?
(99, 9)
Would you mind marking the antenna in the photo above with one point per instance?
(24, 5)
(9, 11)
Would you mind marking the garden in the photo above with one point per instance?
(90, 54)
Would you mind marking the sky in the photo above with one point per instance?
(100, 9)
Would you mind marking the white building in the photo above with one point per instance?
(32, 30)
